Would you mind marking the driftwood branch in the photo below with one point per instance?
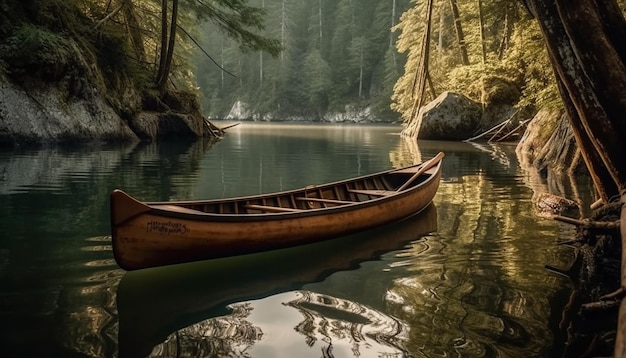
(215, 131)
(600, 305)
(617, 294)
(230, 126)
(498, 127)
(523, 123)
(586, 223)
(110, 15)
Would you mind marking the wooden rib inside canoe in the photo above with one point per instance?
(147, 234)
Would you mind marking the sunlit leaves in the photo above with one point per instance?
(515, 53)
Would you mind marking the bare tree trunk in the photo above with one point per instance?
(163, 51)
(320, 22)
(504, 43)
(482, 31)
(585, 42)
(170, 47)
(261, 58)
(605, 187)
(459, 32)
(421, 72)
(393, 22)
(133, 29)
(283, 31)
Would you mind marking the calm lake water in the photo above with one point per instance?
(465, 278)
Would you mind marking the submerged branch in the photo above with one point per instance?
(586, 223)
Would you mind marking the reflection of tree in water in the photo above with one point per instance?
(475, 288)
(332, 319)
(406, 153)
(230, 336)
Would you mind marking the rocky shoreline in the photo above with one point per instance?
(44, 113)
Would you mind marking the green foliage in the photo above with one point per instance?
(530, 56)
(516, 59)
(33, 49)
(239, 22)
(318, 84)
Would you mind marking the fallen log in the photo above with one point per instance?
(215, 131)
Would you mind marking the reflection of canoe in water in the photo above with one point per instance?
(303, 324)
(339, 321)
(154, 303)
(162, 233)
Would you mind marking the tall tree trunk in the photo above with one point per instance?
(170, 47)
(421, 73)
(585, 42)
(163, 51)
(361, 70)
(222, 64)
(133, 29)
(261, 58)
(504, 43)
(482, 31)
(442, 21)
(393, 22)
(320, 22)
(283, 31)
(459, 32)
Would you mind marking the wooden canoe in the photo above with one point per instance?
(162, 233)
(154, 303)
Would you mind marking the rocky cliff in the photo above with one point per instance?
(40, 112)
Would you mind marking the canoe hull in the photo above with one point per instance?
(155, 237)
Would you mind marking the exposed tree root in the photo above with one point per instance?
(596, 273)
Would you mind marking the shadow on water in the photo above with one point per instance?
(155, 303)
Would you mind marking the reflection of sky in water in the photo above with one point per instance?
(297, 324)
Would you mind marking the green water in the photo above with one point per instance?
(467, 278)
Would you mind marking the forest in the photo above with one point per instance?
(362, 56)
(284, 59)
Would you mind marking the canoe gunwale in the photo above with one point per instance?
(292, 191)
(243, 217)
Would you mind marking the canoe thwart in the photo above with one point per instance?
(274, 209)
(373, 192)
(176, 208)
(320, 200)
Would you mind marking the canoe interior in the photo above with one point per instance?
(312, 197)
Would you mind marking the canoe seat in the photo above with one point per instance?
(373, 192)
(275, 209)
(178, 209)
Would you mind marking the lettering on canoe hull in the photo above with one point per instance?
(166, 227)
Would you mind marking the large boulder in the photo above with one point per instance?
(451, 116)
